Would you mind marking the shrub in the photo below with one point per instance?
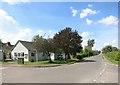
(79, 56)
(114, 56)
(96, 52)
(117, 56)
(85, 54)
(32, 60)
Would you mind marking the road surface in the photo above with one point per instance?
(93, 70)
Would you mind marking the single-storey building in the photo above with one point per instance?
(26, 50)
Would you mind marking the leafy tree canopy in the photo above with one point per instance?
(109, 48)
(68, 41)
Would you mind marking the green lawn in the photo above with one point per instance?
(69, 61)
(36, 63)
(8, 63)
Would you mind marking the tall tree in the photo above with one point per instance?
(38, 43)
(0, 44)
(91, 43)
(68, 41)
(43, 45)
(107, 49)
(49, 47)
(88, 50)
(114, 49)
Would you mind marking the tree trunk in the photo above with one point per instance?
(68, 56)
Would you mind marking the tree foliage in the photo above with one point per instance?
(68, 41)
(43, 45)
(0, 44)
(107, 49)
(38, 43)
(91, 43)
(114, 49)
(87, 49)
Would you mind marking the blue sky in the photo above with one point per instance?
(92, 20)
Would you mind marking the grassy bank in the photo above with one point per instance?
(113, 57)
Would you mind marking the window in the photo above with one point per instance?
(22, 54)
(15, 54)
(19, 54)
(32, 54)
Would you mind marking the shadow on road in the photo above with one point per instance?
(86, 61)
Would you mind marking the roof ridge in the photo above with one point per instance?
(24, 41)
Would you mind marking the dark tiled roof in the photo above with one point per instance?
(7, 47)
(28, 45)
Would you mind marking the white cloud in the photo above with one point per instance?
(110, 20)
(88, 21)
(71, 7)
(105, 44)
(13, 2)
(13, 37)
(85, 34)
(12, 32)
(50, 31)
(114, 41)
(90, 5)
(85, 37)
(74, 11)
(24, 32)
(40, 31)
(5, 17)
(46, 34)
(9, 30)
(86, 12)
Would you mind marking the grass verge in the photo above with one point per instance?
(45, 62)
(113, 57)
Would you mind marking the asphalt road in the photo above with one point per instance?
(93, 70)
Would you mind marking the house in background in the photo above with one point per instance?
(1, 55)
(26, 50)
(6, 51)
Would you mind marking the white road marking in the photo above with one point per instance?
(2, 68)
(94, 80)
(100, 73)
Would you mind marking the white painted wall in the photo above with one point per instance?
(52, 56)
(18, 49)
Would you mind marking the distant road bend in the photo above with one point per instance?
(93, 70)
